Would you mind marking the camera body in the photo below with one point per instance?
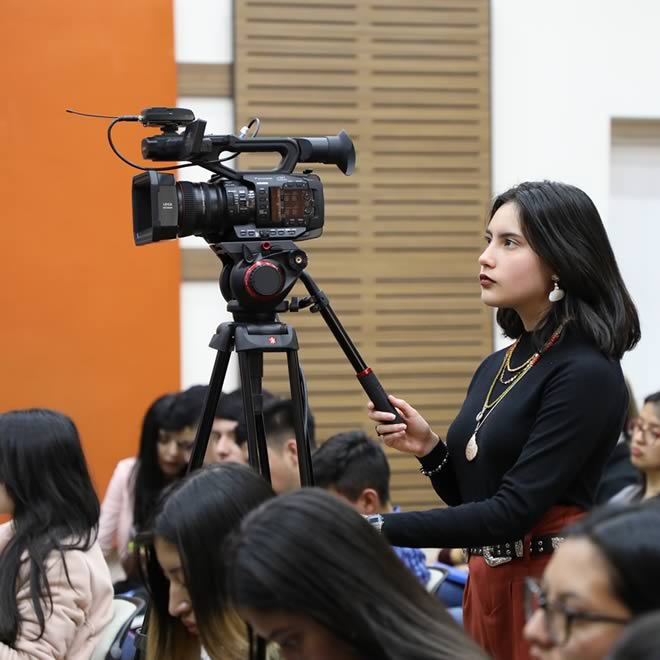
(232, 206)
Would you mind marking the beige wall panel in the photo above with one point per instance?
(410, 83)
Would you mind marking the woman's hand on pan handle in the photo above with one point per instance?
(414, 436)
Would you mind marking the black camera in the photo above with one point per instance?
(232, 206)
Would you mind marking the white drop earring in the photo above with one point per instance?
(556, 294)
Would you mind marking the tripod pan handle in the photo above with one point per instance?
(377, 394)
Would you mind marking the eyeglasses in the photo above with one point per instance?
(650, 431)
(558, 617)
(184, 442)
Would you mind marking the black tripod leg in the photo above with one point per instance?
(251, 367)
(299, 421)
(222, 341)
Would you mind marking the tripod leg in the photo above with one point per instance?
(222, 341)
(251, 367)
(299, 420)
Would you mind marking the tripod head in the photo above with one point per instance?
(258, 275)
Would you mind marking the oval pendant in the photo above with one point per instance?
(480, 414)
(472, 448)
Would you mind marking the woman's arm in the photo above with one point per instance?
(580, 407)
(113, 502)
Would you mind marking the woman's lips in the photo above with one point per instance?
(636, 451)
(485, 281)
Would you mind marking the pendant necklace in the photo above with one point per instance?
(472, 448)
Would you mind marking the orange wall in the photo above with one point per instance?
(90, 323)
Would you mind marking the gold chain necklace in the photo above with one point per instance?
(472, 448)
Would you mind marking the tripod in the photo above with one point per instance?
(256, 279)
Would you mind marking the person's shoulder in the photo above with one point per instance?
(126, 466)
(6, 533)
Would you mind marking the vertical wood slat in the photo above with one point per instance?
(410, 83)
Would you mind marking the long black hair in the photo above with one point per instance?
(44, 471)
(628, 537)
(171, 412)
(195, 515)
(563, 226)
(310, 554)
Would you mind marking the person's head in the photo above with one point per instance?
(542, 230)
(308, 572)
(606, 572)
(222, 446)
(166, 444)
(645, 436)
(184, 567)
(45, 486)
(640, 639)
(281, 441)
(355, 467)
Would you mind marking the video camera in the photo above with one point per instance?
(232, 206)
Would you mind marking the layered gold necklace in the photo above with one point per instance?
(472, 448)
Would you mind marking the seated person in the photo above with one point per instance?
(355, 467)
(166, 443)
(184, 563)
(55, 588)
(644, 452)
(603, 575)
(281, 442)
(306, 571)
(223, 446)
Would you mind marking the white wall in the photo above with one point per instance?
(561, 71)
(204, 34)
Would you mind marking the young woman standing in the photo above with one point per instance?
(525, 454)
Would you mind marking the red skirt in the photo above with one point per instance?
(493, 602)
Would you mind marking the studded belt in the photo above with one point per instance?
(494, 555)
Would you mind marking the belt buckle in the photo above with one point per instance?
(494, 561)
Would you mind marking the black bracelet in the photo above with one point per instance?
(435, 470)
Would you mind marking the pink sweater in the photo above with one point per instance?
(80, 610)
(116, 520)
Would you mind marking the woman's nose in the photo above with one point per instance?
(535, 630)
(486, 258)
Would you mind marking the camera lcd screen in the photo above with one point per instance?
(286, 203)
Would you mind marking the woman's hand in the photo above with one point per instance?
(413, 437)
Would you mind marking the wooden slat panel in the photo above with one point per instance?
(410, 83)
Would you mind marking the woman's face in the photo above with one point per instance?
(512, 275)
(179, 605)
(576, 580)
(174, 450)
(300, 637)
(645, 439)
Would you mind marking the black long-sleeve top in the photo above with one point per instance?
(544, 444)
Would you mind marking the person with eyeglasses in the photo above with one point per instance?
(604, 575)
(166, 443)
(645, 445)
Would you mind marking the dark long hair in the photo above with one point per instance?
(639, 639)
(310, 554)
(171, 412)
(628, 537)
(43, 469)
(195, 515)
(563, 226)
